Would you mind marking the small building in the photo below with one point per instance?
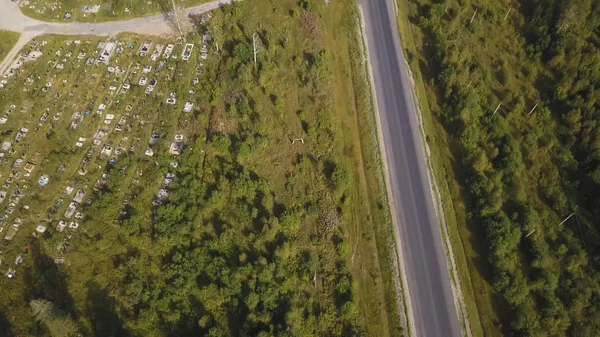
(29, 166)
(14, 228)
(71, 209)
(61, 226)
(145, 48)
(168, 50)
(79, 195)
(106, 150)
(175, 149)
(157, 51)
(21, 134)
(43, 180)
(187, 51)
(154, 139)
(107, 52)
(188, 107)
(76, 119)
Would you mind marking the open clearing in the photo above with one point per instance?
(7, 41)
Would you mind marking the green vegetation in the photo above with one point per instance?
(510, 176)
(58, 324)
(269, 223)
(7, 41)
(106, 10)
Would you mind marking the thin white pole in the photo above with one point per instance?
(526, 236)
(498, 107)
(254, 46)
(535, 106)
(567, 218)
(507, 13)
(473, 17)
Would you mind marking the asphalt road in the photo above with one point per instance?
(433, 309)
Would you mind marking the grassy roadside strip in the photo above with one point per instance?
(7, 41)
(351, 101)
(450, 209)
(386, 235)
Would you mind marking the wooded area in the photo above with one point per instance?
(515, 86)
(271, 219)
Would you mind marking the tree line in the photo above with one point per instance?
(535, 160)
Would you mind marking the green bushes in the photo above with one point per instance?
(59, 324)
(523, 166)
(242, 233)
(7, 41)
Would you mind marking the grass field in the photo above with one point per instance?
(360, 149)
(7, 40)
(291, 135)
(106, 10)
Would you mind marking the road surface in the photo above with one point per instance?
(433, 310)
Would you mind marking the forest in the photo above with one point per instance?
(514, 85)
(271, 220)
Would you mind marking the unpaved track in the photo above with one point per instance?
(12, 19)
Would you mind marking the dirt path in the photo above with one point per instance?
(12, 19)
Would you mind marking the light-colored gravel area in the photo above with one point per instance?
(12, 19)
